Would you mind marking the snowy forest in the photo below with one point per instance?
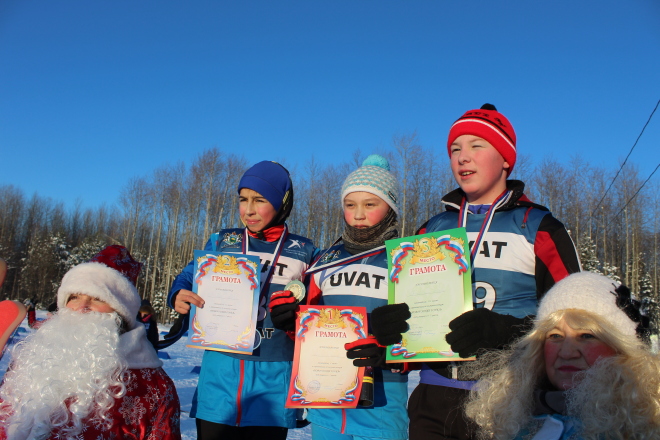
(164, 215)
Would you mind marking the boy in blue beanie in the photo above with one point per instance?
(242, 396)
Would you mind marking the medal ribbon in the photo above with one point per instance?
(276, 255)
(348, 260)
(485, 225)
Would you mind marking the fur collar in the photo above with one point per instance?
(137, 350)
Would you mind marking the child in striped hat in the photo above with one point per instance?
(353, 272)
(518, 251)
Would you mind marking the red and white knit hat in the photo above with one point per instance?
(591, 292)
(491, 125)
(109, 276)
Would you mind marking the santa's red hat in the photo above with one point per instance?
(109, 276)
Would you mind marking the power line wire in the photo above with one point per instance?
(631, 198)
(624, 162)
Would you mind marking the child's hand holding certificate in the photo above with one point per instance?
(229, 285)
(431, 273)
(323, 377)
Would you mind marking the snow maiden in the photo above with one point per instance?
(583, 372)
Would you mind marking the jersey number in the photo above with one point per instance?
(483, 295)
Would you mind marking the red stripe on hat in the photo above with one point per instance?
(493, 127)
(487, 130)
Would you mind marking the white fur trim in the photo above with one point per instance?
(137, 350)
(587, 291)
(103, 282)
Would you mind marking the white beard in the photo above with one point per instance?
(66, 371)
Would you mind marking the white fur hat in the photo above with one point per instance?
(587, 291)
(105, 283)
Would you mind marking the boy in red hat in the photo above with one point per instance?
(518, 251)
(90, 371)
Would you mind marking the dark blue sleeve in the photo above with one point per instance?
(316, 253)
(178, 330)
(184, 279)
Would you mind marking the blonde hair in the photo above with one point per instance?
(617, 398)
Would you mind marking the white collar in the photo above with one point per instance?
(136, 349)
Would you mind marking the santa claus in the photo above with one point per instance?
(89, 371)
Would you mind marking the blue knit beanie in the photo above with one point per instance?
(270, 179)
(374, 177)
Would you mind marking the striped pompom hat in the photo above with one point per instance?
(491, 125)
(374, 177)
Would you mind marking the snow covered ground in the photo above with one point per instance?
(182, 360)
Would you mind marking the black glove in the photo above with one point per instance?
(366, 352)
(283, 306)
(483, 329)
(388, 322)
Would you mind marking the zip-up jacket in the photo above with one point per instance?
(354, 281)
(524, 252)
(250, 390)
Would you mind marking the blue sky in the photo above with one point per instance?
(93, 93)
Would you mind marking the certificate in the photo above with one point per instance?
(229, 285)
(431, 273)
(323, 377)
